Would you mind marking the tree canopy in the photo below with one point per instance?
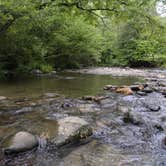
(47, 34)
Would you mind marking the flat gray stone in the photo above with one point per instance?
(72, 129)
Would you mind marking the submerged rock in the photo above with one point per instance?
(72, 129)
(21, 142)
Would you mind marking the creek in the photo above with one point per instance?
(128, 130)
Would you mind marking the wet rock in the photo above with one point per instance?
(158, 127)
(164, 93)
(127, 118)
(110, 87)
(158, 88)
(124, 90)
(153, 108)
(87, 108)
(21, 100)
(66, 105)
(123, 109)
(164, 140)
(68, 78)
(72, 129)
(51, 95)
(127, 90)
(141, 93)
(53, 72)
(100, 98)
(36, 71)
(39, 73)
(130, 98)
(21, 142)
(108, 103)
(131, 118)
(163, 84)
(23, 110)
(136, 87)
(94, 98)
(3, 98)
(152, 79)
(57, 116)
(147, 90)
(88, 98)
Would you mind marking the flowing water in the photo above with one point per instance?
(126, 133)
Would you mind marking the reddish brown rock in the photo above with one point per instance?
(124, 90)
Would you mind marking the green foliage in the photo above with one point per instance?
(46, 68)
(138, 43)
(75, 43)
(51, 34)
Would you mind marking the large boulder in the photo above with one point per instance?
(72, 129)
(21, 142)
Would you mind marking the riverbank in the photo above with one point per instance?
(115, 71)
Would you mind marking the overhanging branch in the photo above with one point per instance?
(6, 26)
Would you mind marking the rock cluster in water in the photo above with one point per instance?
(70, 130)
(141, 89)
(39, 73)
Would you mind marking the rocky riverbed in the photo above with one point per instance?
(128, 129)
(115, 71)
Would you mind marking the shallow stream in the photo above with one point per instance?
(127, 131)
